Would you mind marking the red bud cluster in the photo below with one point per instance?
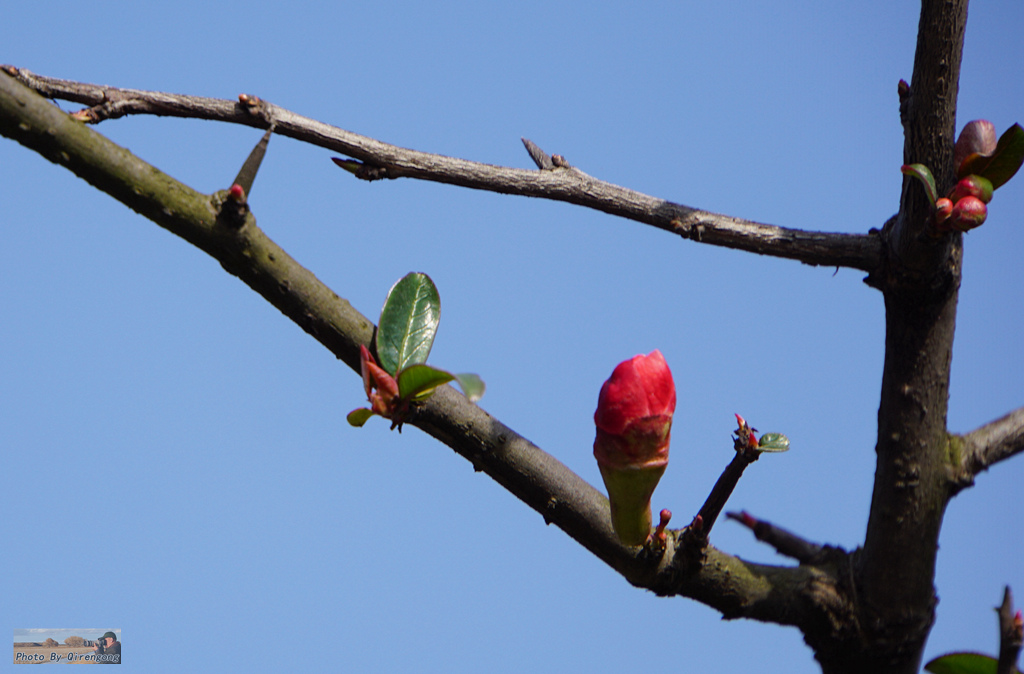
(964, 208)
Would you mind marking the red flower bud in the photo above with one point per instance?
(633, 419)
(943, 209)
(968, 213)
(977, 137)
(973, 186)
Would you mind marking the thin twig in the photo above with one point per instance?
(724, 487)
(857, 251)
(785, 542)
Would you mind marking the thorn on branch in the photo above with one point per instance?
(247, 174)
(1011, 634)
(539, 156)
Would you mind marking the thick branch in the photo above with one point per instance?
(928, 114)
(806, 596)
(857, 251)
(985, 446)
(920, 286)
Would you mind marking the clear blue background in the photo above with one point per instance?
(247, 527)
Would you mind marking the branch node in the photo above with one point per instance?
(231, 207)
(258, 108)
(549, 510)
(559, 161)
(688, 230)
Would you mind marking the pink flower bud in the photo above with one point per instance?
(634, 419)
(977, 137)
(968, 213)
(973, 186)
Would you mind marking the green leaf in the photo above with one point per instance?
(418, 381)
(962, 663)
(1003, 163)
(359, 417)
(350, 165)
(773, 442)
(921, 172)
(472, 385)
(408, 323)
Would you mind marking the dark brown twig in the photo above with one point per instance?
(724, 487)
(1011, 634)
(785, 542)
(539, 156)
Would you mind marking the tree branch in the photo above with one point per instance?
(920, 286)
(808, 597)
(561, 183)
(996, 441)
(785, 542)
(928, 115)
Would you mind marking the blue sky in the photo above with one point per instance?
(177, 454)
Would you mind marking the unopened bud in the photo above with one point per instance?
(633, 419)
(968, 213)
(973, 186)
(943, 210)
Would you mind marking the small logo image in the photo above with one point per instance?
(85, 645)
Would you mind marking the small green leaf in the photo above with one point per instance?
(1002, 164)
(418, 381)
(472, 386)
(350, 165)
(921, 172)
(408, 323)
(773, 442)
(962, 663)
(359, 417)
